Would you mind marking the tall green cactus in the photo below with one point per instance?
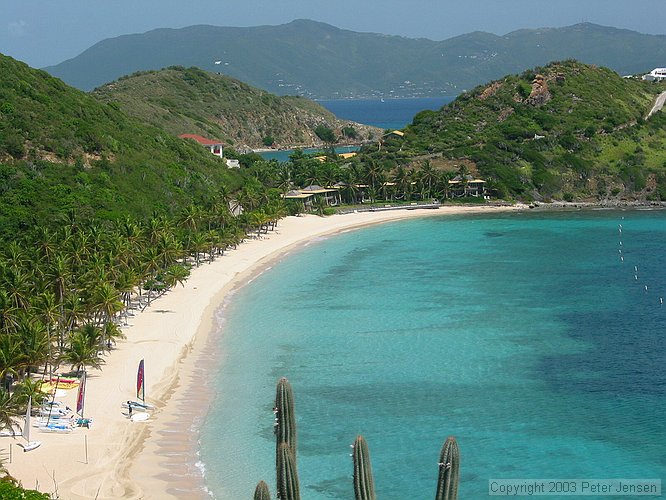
(364, 483)
(449, 470)
(285, 417)
(261, 491)
(287, 476)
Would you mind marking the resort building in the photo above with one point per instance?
(216, 148)
(311, 194)
(469, 186)
(656, 75)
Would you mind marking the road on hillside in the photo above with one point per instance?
(658, 104)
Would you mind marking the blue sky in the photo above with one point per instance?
(45, 32)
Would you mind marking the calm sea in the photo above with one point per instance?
(386, 114)
(531, 337)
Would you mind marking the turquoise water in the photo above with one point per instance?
(524, 335)
(283, 155)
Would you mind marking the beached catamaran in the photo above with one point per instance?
(140, 392)
(29, 445)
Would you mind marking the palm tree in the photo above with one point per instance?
(8, 410)
(106, 303)
(12, 358)
(50, 313)
(83, 350)
(428, 178)
(110, 333)
(8, 313)
(29, 388)
(34, 339)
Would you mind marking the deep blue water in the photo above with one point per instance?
(386, 114)
(525, 335)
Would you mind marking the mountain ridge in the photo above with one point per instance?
(317, 60)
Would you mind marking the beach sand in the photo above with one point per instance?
(118, 458)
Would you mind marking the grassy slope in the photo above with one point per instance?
(181, 100)
(61, 149)
(595, 142)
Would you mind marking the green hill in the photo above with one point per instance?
(318, 60)
(62, 149)
(564, 131)
(191, 100)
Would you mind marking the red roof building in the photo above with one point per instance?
(213, 146)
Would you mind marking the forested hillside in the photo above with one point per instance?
(62, 149)
(191, 100)
(563, 131)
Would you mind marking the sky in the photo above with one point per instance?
(46, 32)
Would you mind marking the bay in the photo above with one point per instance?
(530, 337)
(387, 113)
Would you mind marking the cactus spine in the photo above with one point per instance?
(364, 483)
(261, 492)
(287, 476)
(449, 471)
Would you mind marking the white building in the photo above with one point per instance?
(656, 75)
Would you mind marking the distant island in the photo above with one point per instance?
(317, 60)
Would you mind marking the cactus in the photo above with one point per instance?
(261, 492)
(285, 417)
(287, 476)
(449, 471)
(364, 484)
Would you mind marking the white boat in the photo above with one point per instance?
(29, 445)
(137, 406)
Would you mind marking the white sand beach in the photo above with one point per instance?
(118, 458)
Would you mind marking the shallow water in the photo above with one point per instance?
(524, 335)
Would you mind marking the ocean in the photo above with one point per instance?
(386, 114)
(536, 338)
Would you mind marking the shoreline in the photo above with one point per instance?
(118, 458)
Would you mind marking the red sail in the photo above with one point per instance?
(140, 389)
(81, 395)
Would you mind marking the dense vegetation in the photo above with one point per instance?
(317, 60)
(565, 131)
(193, 101)
(62, 149)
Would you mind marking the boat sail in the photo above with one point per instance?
(140, 386)
(140, 392)
(80, 398)
(30, 445)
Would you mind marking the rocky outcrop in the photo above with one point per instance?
(540, 94)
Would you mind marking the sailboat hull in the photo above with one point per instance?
(31, 445)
